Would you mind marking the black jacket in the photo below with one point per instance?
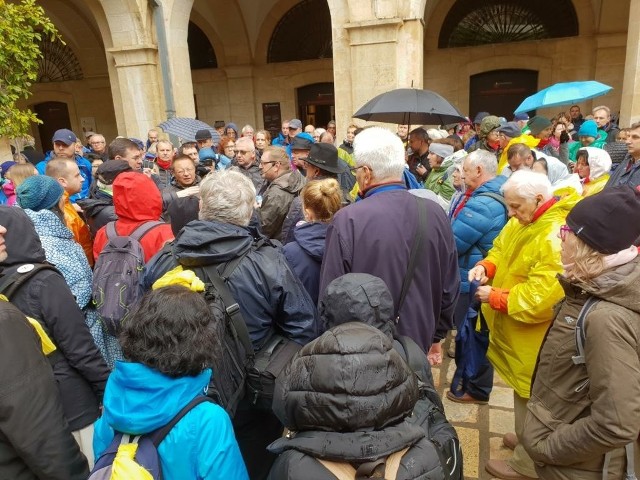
(344, 397)
(81, 373)
(98, 210)
(268, 292)
(35, 440)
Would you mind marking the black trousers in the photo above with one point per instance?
(255, 429)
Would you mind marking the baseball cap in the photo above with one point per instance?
(295, 123)
(65, 136)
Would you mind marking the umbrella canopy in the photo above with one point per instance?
(186, 128)
(563, 94)
(410, 106)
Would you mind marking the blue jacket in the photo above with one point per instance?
(476, 226)
(305, 253)
(140, 400)
(85, 170)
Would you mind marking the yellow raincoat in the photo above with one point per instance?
(527, 260)
(528, 140)
(595, 186)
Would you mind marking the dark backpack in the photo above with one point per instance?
(429, 414)
(144, 456)
(117, 275)
(238, 369)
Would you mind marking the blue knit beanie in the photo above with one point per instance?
(39, 192)
(588, 129)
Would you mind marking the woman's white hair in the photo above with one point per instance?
(380, 150)
(228, 197)
(526, 184)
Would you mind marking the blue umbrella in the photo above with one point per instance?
(563, 94)
(186, 128)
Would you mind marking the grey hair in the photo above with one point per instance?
(247, 127)
(483, 158)
(527, 184)
(246, 142)
(228, 197)
(601, 107)
(380, 150)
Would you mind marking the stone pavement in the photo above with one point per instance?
(480, 427)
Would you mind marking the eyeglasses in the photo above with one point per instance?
(355, 169)
(564, 230)
(186, 170)
(267, 163)
(96, 143)
(243, 152)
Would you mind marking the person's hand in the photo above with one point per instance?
(147, 171)
(482, 293)
(478, 273)
(421, 170)
(564, 137)
(187, 192)
(77, 207)
(435, 354)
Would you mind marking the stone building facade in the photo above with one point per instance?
(261, 61)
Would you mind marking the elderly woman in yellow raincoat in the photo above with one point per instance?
(518, 306)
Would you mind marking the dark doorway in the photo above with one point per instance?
(54, 116)
(316, 104)
(499, 92)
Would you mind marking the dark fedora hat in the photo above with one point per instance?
(325, 157)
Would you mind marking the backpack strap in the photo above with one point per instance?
(111, 230)
(340, 470)
(143, 229)
(14, 281)
(393, 464)
(157, 436)
(497, 197)
(231, 306)
(413, 255)
(579, 358)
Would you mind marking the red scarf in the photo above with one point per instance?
(543, 208)
(163, 164)
(462, 203)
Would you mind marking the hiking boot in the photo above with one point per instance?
(465, 398)
(510, 440)
(501, 469)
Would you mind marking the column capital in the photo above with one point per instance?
(134, 55)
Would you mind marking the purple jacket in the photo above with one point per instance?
(375, 236)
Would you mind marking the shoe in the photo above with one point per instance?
(501, 469)
(510, 440)
(465, 398)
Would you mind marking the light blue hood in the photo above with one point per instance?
(140, 400)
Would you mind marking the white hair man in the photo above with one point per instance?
(524, 263)
(278, 301)
(245, 162)
(376, 234)
(476, 222)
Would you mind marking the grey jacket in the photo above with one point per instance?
(276, 201)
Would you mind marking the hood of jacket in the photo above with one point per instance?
(136, 198)
(208, 242)
(291, 182)
(599, 162)
(357, 297)
(349, 379)
(140, 400)
(311, 236)
(21, 240)
(618, 285)
(49, 223)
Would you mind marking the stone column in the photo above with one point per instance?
(630, 104)
(140, 91)
(241, 94)
(177, 13)
(378, 47)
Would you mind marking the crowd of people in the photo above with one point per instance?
(355, 254)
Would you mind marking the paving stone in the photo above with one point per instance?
(501, 421)
(460, 412)
(470, 442)
(497, 450)
(501, 397)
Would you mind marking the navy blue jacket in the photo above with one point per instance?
(477, 225)
(305, 253)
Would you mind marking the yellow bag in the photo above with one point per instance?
(124, 465)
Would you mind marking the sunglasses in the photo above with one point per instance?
(564, 230)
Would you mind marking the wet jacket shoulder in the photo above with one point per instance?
(30, 409)
(268, 292)
(527, 260)
(276, 201)
(477, 225)
(305, 254)
(577, 413)
(320, 392)
(81, 373)
(202, 445)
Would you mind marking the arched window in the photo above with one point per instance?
(201, 53)
(303, 33)
(471, 23)
(58, 62)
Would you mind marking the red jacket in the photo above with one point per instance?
(136, 200)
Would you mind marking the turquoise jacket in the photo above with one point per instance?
(140, 400)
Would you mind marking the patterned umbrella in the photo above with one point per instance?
(186, 128)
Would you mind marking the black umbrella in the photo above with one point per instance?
(410, 105)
